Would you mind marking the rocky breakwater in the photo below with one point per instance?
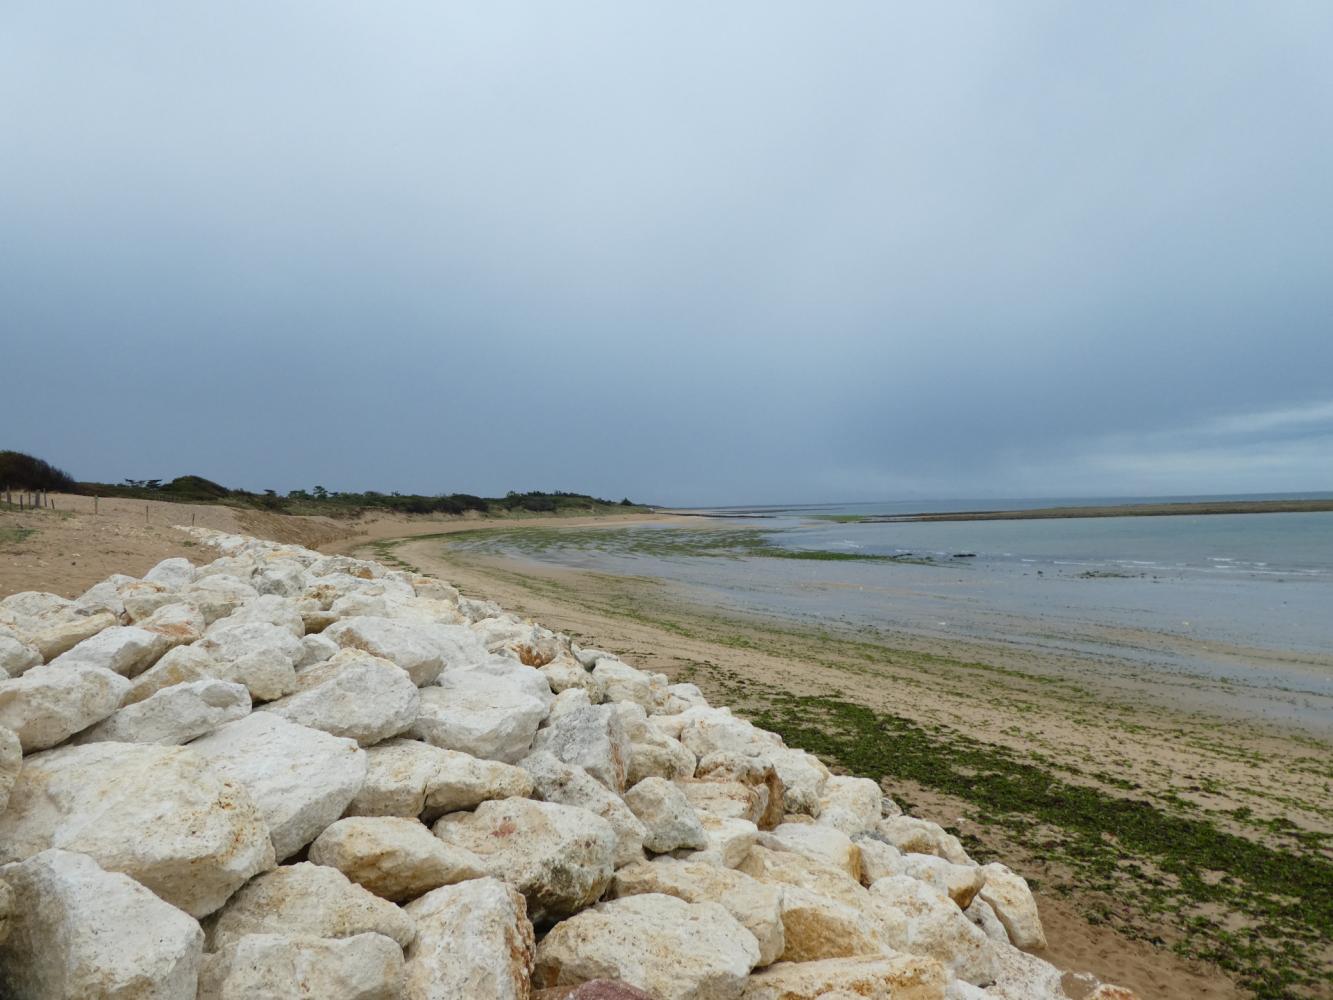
(285, 774)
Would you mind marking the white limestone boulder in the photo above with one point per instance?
(361, 568)
(11, 760)
(473, 940)
(872, 977)
(646, 760)
(355, 695)
(671, 949)
(284, 578)
(479, 715)
(960, 883)
(49, 704)
(920, 836)
(569, 785)
(433, 588)
(566, 674)
(300, 778)
(80, 932)
(878, 859)
(528, 680)
(756, 772)
(825, 913)
(476, 610)
(141, 598)
(7, 910)
(172, 573)
(316, 649)
(55, 638)
(560, 857)
(16, 657)
(304, 967)
(594, 739)
(816, 926)
(756, 906)
(937, 928)
(409, 778)
(567, 701)
(268, 609)
(127, 650)
(669, 820)
(1020, 976)
(413, 649)
(51, 624)
(733, 799)
(588, 656)
(803, 779)
(1010, 897)
(360, 604)
(729, 841)
(688, 694)
(105, 596)
(260, 655)
(308, 899)
(653, 752)
(713, 730)
(159, 814)
(851, 805)
(820, 843)
(174, 715)
(980, 913)
(621, 682)
(177, 623)
(218, 595)
(180, 665)
(397, 859)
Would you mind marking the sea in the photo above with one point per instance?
(1242, 604)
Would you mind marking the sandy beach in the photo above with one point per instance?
(1245, 783)
(1006, 714)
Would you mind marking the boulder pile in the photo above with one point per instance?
(288, 774)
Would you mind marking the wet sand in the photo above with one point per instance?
(1113, 510)
(1049, 708)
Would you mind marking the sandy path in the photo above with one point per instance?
(67, 549)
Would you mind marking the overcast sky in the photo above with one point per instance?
(683, 251)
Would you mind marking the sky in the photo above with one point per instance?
(686, 252)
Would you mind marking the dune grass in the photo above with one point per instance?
(11, 535)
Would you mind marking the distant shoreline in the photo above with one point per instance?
(1120, 510)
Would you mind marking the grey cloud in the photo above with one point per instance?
(687, 252)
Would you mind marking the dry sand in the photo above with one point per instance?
(67, 549)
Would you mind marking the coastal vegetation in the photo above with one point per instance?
(20, 471)
(25, 472)
(1115, 845)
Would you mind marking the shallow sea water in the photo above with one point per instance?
(1244, 601)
